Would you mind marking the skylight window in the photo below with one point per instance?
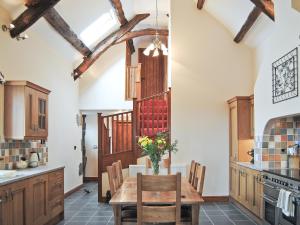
(98, 29)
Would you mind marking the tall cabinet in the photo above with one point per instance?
(26, 111)
(240, 128)
(245, 183)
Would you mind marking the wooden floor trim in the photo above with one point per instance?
(90, 179)
(216, 198)
(67, 194)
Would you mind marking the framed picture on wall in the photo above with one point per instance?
(285, 77)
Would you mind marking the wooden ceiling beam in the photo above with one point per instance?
(267, 6)
(61, 26)
(144, 32)
(200, 4)
(31, 15)
(118, 8)
(104, 45)
(254, 14)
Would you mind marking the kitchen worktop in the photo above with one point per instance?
(28, 173)
(251, 166)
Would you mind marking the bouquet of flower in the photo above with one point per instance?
(156, 147)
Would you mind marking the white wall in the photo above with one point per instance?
(208, 68)
(103, 86)
(283, 38)
(33, 60)
(91, 140)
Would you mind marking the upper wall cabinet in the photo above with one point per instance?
(1, 112)
(25, 111)
(241, 127)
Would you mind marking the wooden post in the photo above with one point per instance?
(134, 119)
(169, 127)
(100, 151)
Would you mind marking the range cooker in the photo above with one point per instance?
(274, 180)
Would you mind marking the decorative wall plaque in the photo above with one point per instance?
(285, 77)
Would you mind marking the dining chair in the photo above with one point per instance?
(198, 183)
(192, 172)
(128, 213)
(167, 164)
(112, 180)
(119, 171)
(158, 213)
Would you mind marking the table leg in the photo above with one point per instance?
(195, 214)
(117, 214)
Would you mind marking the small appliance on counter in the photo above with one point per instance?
(22, 164)
(251, 153)
(34, 160)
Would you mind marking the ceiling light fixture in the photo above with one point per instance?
(156, 44)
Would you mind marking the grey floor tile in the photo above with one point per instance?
(238, 217)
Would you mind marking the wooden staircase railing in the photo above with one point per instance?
(118, 133)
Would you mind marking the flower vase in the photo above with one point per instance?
(155, 167)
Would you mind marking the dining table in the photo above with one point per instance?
(126, 195)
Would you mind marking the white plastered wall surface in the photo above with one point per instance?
(207, 69)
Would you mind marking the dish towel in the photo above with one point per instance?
(285, 203)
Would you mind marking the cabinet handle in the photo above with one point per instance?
(12, 196)
(1, 201)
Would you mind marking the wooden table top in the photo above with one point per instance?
(127, 194)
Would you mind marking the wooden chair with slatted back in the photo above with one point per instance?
(128, 215)
(112, 179)
(159, 213)
(198, 183)
(192, 172)
(167, 165)
(116, 173)
(120, 171)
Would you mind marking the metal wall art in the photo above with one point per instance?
(285, 77)
(2, 80)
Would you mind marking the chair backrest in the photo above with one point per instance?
(113, 179)
(198, 183)
(148, 163)
(119, 171)
(158, 213)
(192, 172)
(167, 165)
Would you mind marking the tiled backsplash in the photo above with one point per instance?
(279, 134)
(12, 151)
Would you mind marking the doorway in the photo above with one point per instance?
(154, 74)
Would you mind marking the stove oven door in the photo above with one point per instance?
(270, 211)
(287, 220)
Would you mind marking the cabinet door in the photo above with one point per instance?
(5, 207)
(252, 116)
(233, 181)
(42, 114)
(242, 187)
(31, 112)
(233, 132)
(256, 201)
(39, 207)
(19, 199)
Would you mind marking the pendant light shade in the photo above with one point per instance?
(156, 44)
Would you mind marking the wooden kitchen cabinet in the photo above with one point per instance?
(13, 209)
(26, 110)
(35, 201)
(233, 176)
(243, 181)
(249, 189)
(39, 189)
(240, 128)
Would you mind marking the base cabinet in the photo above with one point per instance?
(27, 202)
(246, 188)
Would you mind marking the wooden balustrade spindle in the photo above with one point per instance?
(122, 133)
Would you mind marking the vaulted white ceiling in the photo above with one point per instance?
(80, 14)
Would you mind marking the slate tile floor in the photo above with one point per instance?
(83, 209)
